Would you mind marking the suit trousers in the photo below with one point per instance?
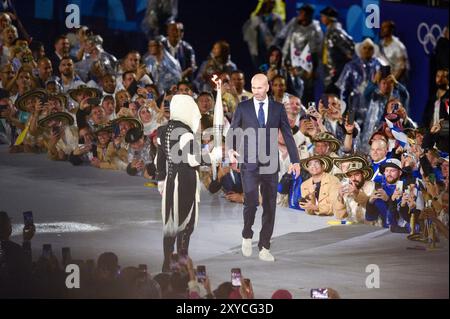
(251, 180)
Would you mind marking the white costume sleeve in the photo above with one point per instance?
(184, 140)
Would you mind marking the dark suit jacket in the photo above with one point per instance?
(429, 110)
(55, 60)
(245, 118)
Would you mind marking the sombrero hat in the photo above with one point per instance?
(21, 102)
(350, 158)
(130, 119)
(325, 160)
(92, 92)
(358, 166)
(58, 116)
(329, 138)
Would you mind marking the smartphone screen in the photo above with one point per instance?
(319, 293)
(201, 273)
(28, 218)
(399, 186)
(94, 101)
(325, 101)
(407, 191)
(116, 130)
(395, 107)
(166, 104)
(351, 116)
(236, 277)
(432, 178)
(44, 99)
(385, 71)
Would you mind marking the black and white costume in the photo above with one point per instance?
(177, 173)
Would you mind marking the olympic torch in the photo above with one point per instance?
(216, 156)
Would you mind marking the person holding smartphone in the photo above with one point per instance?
(356, 188)
(84, 152)
(140, 154)
(61, 135)
(385, 203)
(339, 121)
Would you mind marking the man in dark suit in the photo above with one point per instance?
(62, 50)
(256, 122)
(436, 114)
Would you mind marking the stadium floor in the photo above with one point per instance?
(93, 211)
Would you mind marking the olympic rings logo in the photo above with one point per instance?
(431, 35)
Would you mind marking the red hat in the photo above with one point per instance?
(282, 294)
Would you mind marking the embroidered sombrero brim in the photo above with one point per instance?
(21, 102)
(58, 116)
(132, 120)
(92, 92)
(326, 161)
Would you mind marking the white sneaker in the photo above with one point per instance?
(246, 247)
(265, 255)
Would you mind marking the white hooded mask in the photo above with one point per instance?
(184, 109)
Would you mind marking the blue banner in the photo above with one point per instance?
(124, 15)
(419, 28)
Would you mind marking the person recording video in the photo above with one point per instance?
(392, 198)
(355, 189)
(140, 154)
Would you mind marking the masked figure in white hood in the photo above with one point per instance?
(177, 173)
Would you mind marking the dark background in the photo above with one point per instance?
(207, 21)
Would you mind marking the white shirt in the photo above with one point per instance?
(395, 52)
(173, 49)
(333, 124)
(265, 107)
